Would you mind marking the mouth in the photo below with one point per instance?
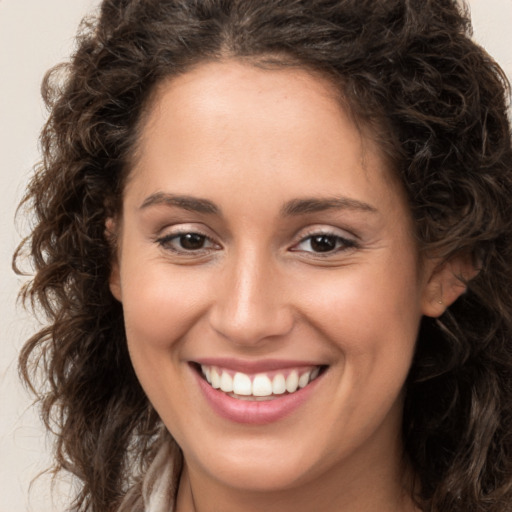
(261, 386)
(258, 392)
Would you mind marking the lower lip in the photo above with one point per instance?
(254, 412)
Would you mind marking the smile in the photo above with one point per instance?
(257, 392)
(260, 386)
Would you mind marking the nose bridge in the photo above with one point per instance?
(249, 305)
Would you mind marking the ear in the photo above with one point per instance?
(446, 282)
(111, 234)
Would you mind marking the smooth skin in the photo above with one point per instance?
(258, 222)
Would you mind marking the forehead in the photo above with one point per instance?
(243, 124)
(227, 94)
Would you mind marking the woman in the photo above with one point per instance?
(273, 240)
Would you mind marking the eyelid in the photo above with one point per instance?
(180, 230)
(349, 241)
(320, 229)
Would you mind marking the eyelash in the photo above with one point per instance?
(166, 241)
(341, 244)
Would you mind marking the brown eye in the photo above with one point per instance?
(192, 241)
(323, 243)
(187, 243)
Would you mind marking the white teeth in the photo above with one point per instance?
(304, 379)
(242, 384)
(292, 382)
(215, 379)
(261, 385)
(278, 384)
(226, 382)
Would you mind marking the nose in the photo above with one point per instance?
(250, 305)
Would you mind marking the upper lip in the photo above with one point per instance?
(257, 366)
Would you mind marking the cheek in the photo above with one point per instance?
(161, 304)
(369, 303)
(370, 315)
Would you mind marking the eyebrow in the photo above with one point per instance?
(313, 205)
(193, 204)
(292, 208)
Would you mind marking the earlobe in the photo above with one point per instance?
(114, 278)
(115, 281)
(447, 282)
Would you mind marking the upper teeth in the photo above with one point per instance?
(260, 384)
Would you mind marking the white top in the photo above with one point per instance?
(160, 483)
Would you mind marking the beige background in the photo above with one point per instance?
(35, 34)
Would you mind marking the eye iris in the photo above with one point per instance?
(323, 243)
(192, 241)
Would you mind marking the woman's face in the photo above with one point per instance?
(265, 246)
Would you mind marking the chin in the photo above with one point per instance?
(259, 474)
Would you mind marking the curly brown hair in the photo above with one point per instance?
(436, 103)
